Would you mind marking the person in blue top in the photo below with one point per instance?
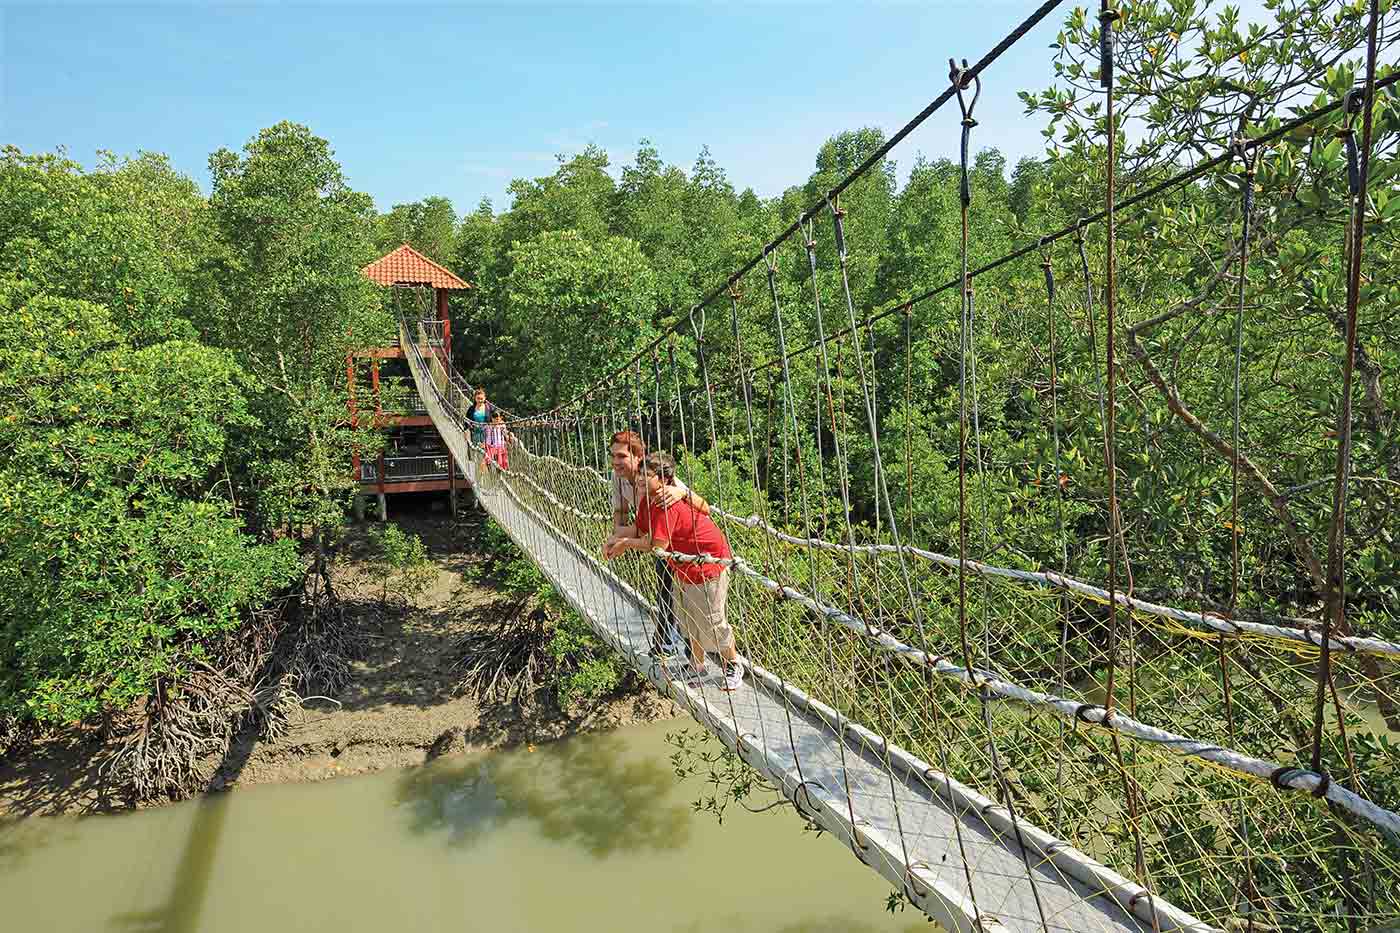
(479, 415)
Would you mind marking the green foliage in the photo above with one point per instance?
(400, 564)
(172, 409)
(121, 558)
(121, 237)
(727, 778)
(577, 305)
(586, 669)
(429, 226)
(285, 293)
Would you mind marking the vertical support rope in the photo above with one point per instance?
(759, 502)
(908, 422)
(1062, 651)
(964, 322)
(715, 447)
(965, 292)
(837, 217)
(811, 247)
(1362, 100)
(959, 80)
(790, 408)
(1107, 17)
(1248, 161)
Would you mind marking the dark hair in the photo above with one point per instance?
(661, 464)
(632, 440)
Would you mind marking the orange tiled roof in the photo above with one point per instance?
(407, 266)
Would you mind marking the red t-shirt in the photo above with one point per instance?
(690, 531)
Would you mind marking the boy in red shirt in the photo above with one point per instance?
(701, 589)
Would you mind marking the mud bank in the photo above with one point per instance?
(400, 707)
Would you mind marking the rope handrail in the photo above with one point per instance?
(1213, 622)
(1318, 784)
(1281, 776)
(1207, 622)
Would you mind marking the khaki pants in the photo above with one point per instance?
(700, 609)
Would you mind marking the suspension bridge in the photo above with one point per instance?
(1012, 746)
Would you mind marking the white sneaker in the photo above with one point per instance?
(733, 675)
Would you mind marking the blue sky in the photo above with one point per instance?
(457, 100)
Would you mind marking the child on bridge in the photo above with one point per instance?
(496, 436)
(701, 588)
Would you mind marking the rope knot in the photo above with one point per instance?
(1281, 778)
(699, 328)
(961, 81)
(838, 226)
(1081, 713)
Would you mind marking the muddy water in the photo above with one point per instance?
(593, 834)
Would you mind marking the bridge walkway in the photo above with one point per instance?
(907, 829)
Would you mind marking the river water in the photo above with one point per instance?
(594, 833)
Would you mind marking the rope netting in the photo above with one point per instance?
(1239, 762)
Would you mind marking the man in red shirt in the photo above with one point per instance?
(701, 589)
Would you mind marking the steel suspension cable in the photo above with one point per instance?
(1182, 178)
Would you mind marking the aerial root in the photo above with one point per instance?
(506, 660)
(254, 681)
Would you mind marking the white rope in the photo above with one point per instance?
(1215, 623)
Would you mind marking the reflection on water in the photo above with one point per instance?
(581, 793)
(593, 834)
